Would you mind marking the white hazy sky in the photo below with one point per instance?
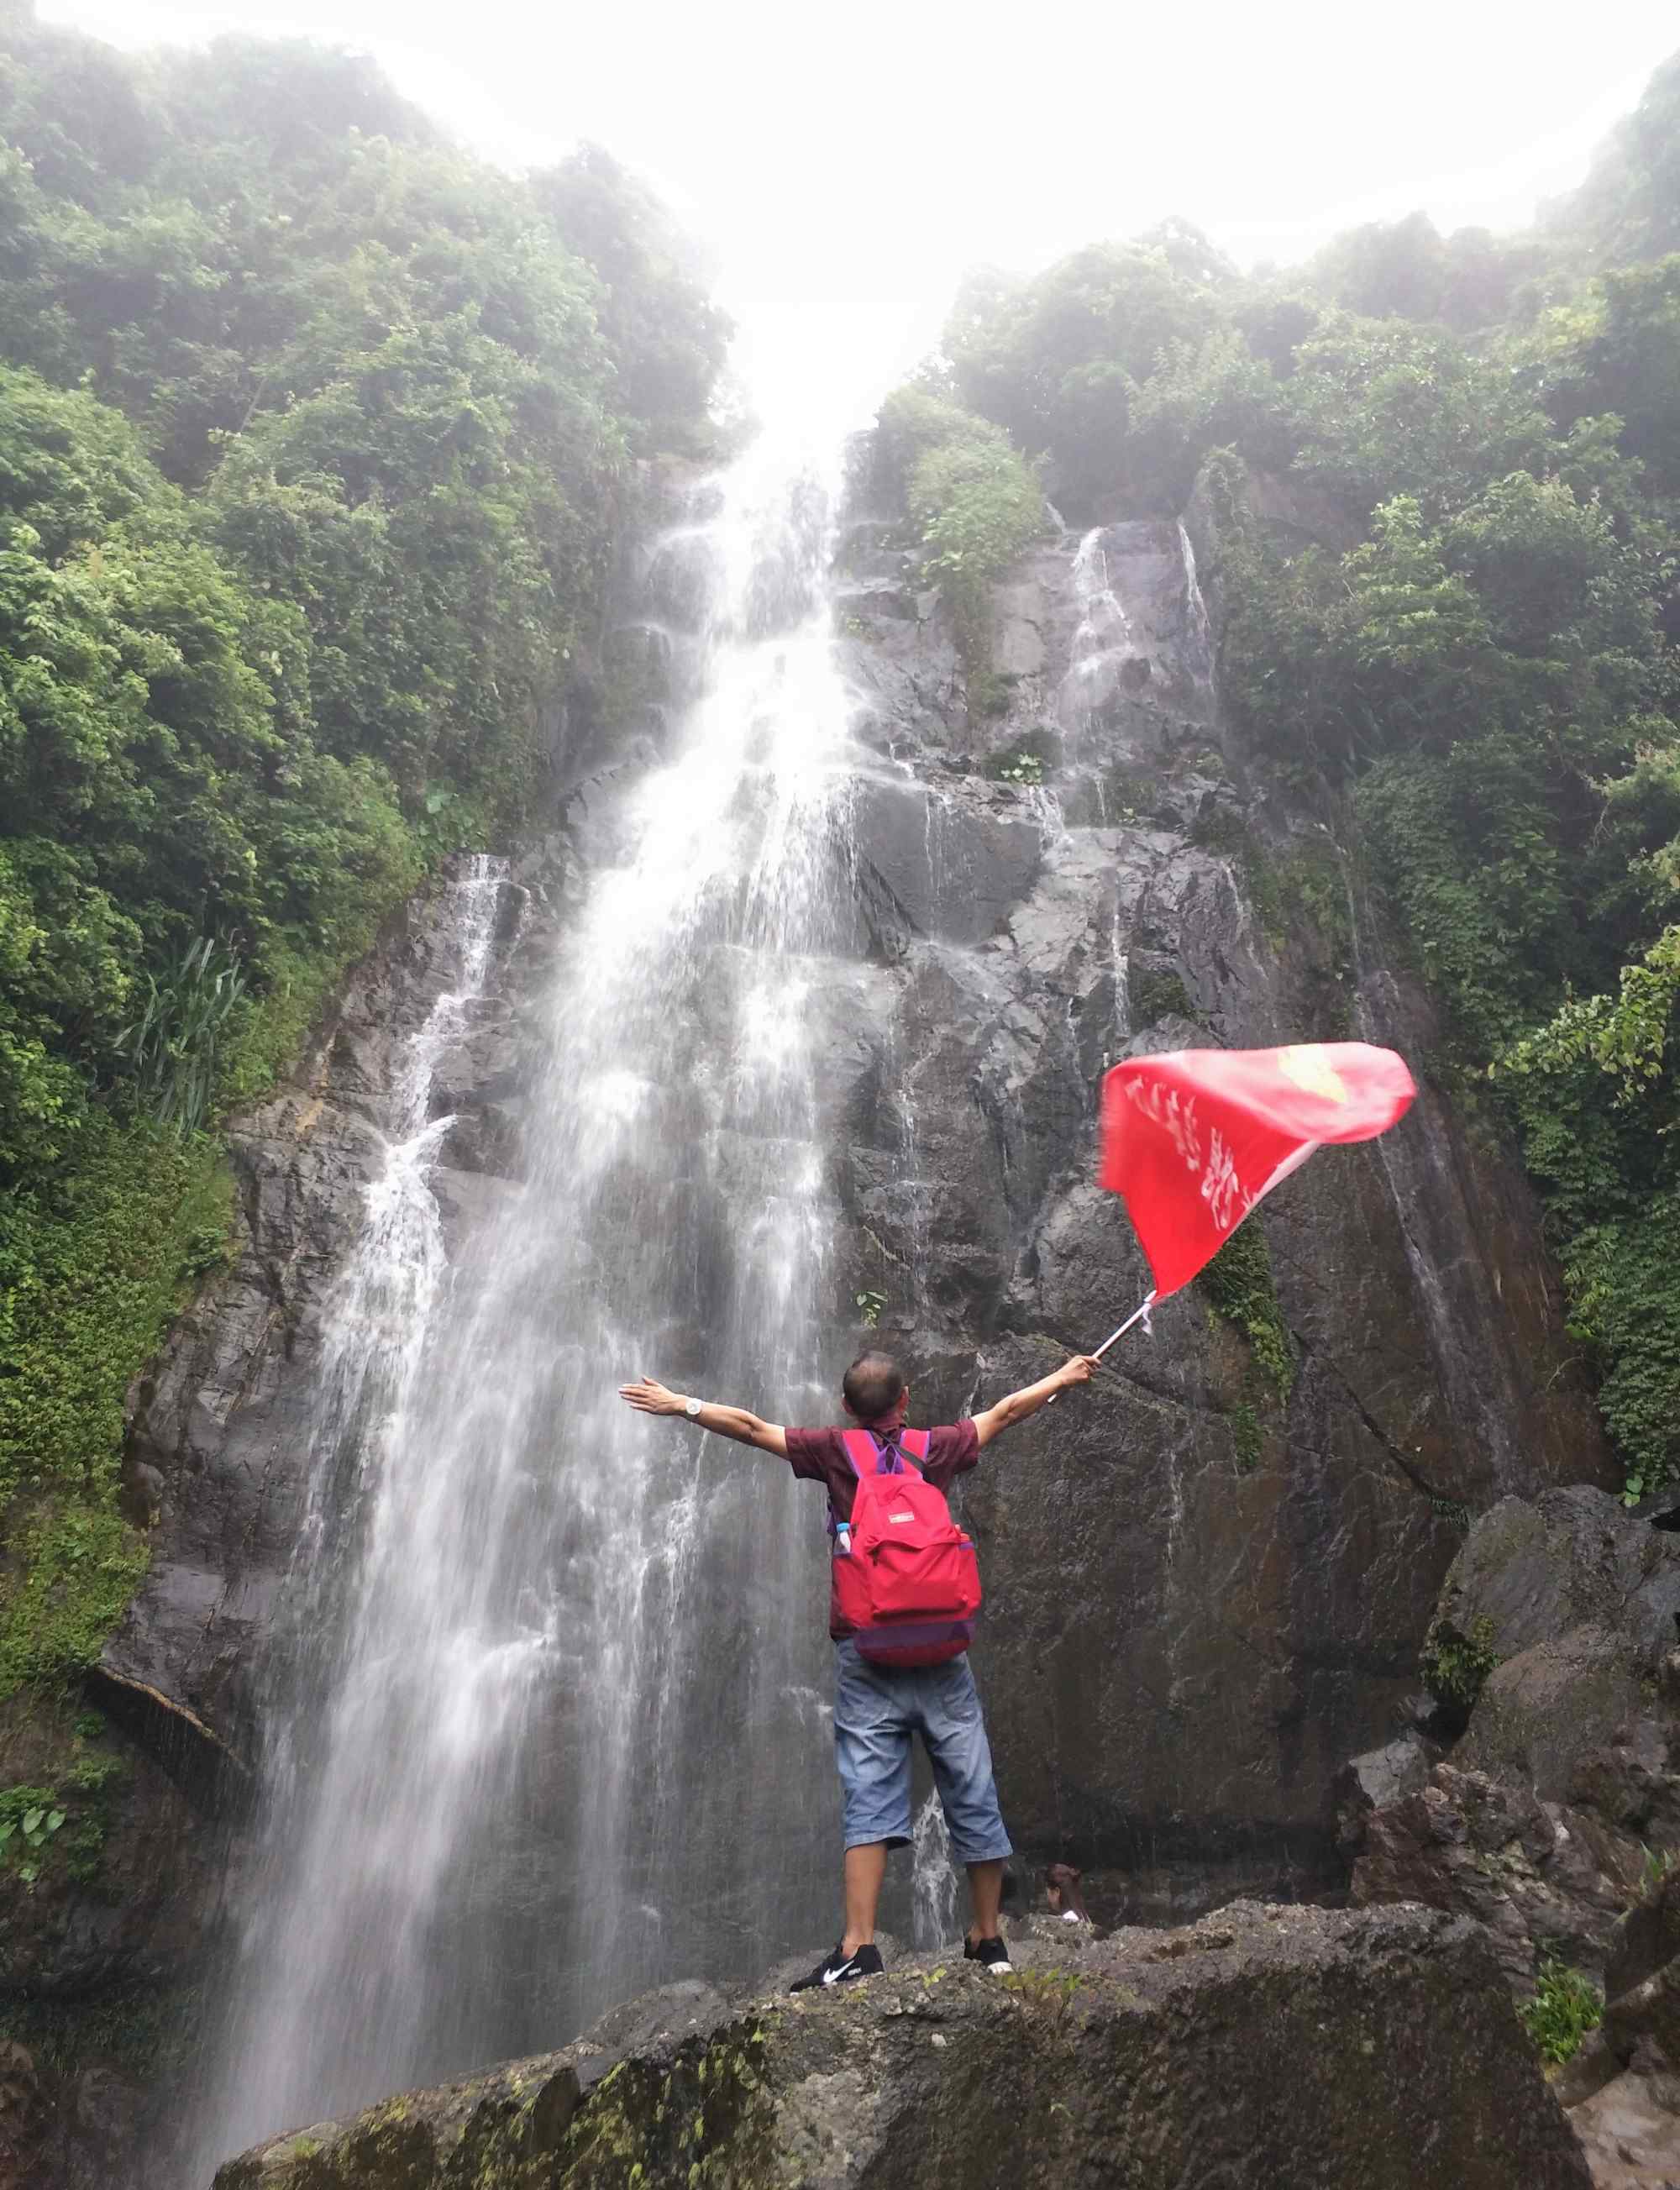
(846, 163)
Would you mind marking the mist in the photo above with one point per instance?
(844, 174)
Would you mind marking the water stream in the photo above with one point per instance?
(560, 1728)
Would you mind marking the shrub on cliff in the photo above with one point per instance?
(972, 503)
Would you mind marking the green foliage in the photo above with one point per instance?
(1565, 2006)
(1629, 205)
(1157, 992)
(96, 1254)
(1023, 768)
(1655, 1869)
(1454, 1665)
(66, 1822)
(668, 338)
(1055, 361)
(973, 505)
(1407, 270)
(173, 1046)
(870, 1308)
(314, 442)
(29, 1818)
(1248, 1438)
(1238, 1287)
(1047, 1995)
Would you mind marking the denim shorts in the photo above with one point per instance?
(875, 1713)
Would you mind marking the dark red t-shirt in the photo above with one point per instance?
(820, 1457)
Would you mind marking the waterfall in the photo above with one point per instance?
(1103, 640)
(933, 1880)
(1199, 648)
(561, 1733)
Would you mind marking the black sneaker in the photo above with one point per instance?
(841, 1968)
(990, 1953)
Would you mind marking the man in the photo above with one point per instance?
(878, 1709)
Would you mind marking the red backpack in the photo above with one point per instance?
(909, 1587)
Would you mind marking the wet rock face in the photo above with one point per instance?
(223, 1429)
(1204, 1591)
(1540, 1820)
(1149, 2060)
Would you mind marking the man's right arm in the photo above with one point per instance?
(650, 1397)
(1016, 1406)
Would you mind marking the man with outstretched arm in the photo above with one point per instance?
(878, 1709)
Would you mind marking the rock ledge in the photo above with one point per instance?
(1263, 2047)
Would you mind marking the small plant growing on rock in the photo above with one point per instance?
(1023, 768)
(1565, 2006)
(1454, 1665)
(870, 1306)
(1658, 1865)
(1046, 1993)
(29, 1817)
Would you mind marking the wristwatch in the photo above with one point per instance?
(691, 1408)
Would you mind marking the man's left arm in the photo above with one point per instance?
(648, 1396)
(1019, 1406)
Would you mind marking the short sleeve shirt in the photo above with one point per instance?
(820, 1457)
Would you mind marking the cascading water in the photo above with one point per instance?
(1103, 640)
(564, 1734)
(934, 1896)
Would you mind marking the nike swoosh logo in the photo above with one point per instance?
(833, 1976)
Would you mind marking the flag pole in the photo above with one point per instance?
(1137, 1315)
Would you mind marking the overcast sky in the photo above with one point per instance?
(849, 162)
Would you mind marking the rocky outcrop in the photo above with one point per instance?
(224, 1427)
(1624, 2086)
(1555, 1817)
(1208, 1579)
(1263, 2046)
(1558, 1617)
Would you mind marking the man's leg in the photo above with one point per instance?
(955, 1735)
(985, 1897)
(865, 1869)
(873, 1730)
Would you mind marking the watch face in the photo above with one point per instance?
(693, 1406)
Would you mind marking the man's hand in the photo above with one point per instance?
(648, 1396)
(1079, 1371)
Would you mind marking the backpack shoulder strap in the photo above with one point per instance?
(862, 1451)
(914, 1444)
(873, 1455)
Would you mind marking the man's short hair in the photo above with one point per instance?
(872, 1386)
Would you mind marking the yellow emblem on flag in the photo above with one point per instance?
(1308, 1065)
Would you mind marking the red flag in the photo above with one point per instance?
(1193, 1139)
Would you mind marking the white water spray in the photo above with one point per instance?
(517, 1780)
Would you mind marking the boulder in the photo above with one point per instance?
(1265, 2046)
(1533, 1874)
(1533, 1569)
(1541, 1714)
